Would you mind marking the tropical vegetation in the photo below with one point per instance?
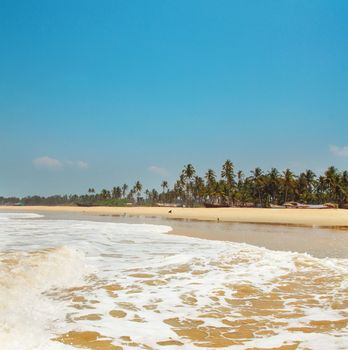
(228, 187)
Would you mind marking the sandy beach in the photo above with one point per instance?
(337, 218)
(321, 233)
(121, 282)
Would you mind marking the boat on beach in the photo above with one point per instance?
(210, 205)
(296, 205)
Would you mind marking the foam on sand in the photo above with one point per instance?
(72, 284)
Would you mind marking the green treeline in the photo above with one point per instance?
(227, 187)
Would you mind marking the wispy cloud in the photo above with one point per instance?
(339, 151)
(50, 163)
(47, 163)
(157, 170)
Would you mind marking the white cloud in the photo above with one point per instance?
(47, 163)
(339, 151)
(157, 170)
(56, 164)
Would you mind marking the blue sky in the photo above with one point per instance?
(98, 93)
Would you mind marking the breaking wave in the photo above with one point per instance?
(79, 284)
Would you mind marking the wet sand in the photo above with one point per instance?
(155, 290)
(337, 218)
(317, 241)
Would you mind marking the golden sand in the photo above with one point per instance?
(306, 217)
(261, 313)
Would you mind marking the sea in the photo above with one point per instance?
(81, 284)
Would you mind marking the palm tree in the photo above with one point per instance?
(164, 185)
(332, 182)
(187, 174)
(302, 193)
(344, 183)
(154, 195)
(321, 192)
(344, 178)
(273, 184)
(240, 177)
(258, 182)
(306, 183)
(310, 179)
(91, 192)
(220, 192)
(116, 192)
(239, 187)
(137, 189)
(336, 185)
(245, 190)
(228, 174)
(198, 188)
(105, 194)
(179, 191)
(211, 184)
(288, 183)
(113, 192)
(189, 171)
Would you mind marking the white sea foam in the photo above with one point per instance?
(122, 280)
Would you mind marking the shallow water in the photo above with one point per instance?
(68, 284)
(318, 242)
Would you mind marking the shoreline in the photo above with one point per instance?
(318, 241)
(174, 274)
(318, 218)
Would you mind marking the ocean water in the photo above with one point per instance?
(69, 284)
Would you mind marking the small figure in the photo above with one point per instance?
(170, 211)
